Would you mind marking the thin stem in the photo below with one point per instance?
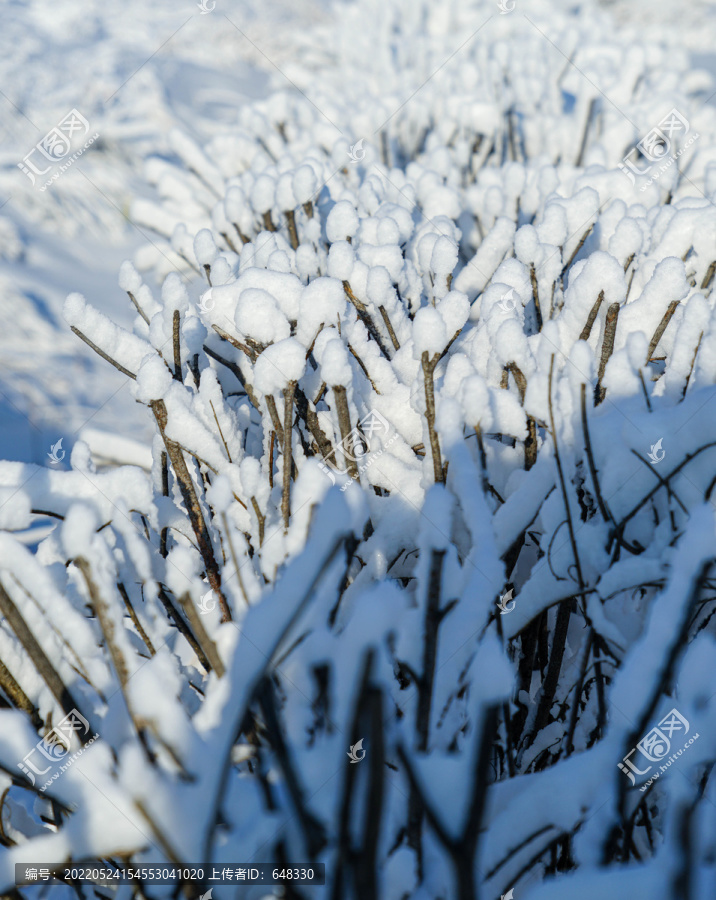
(428, 370)
(344, 423)
(177, 345)
(288, 394)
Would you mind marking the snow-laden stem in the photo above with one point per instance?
(389, 326)
(433, 616)
(428, 371)
(462, 850)
(235, 369)
(531, 439)
(101, 353)
(165, 493)
(610, 330)
(234, 342)
(610, 847)
(183, 628)
(238, 714)
(292, 233)
(138, 307)
(576, 250)
(176, 344)
(39, 658)
(18, 697)
(365, 318)
(344, 423)
(708, 277)
(102, 610)
(288, 393)
(135, 618)
(275, 420)
(587, 330)
(535, 297)
(312, 830)
(193, 508)
(360, 859)
(564, 612)
(207, 645)
(606, 515)
(660, 329)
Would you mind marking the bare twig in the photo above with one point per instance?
(193, 507)
(287, 435)
(428, 371)
(610, 330)
(587, 330)
(39, 658)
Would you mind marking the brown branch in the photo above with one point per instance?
(292, 233)
(708, 277)
(177, 345)
(40, 660)
(183, 628)
(428, 370)
(235, 342)
(344, 423)
(606, 515)
(363, 368)
(365, 318)
(135, 618)
(18, 697)
(101, 353)
(389, 326)
(138, 307)
(660, 329)
(234, 368)
(206, 644)
(610, 329)
(261, 520)
(193, 507)
(535, 295)
(587, 330)
(577, 249)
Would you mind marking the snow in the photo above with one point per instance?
(498, 490)
(341, 260)
(304, 183)
(205, 249)
(259, 316)
(279, 364)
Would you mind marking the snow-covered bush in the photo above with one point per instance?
(432, 479)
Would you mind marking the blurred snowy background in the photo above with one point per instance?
(135, 70)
